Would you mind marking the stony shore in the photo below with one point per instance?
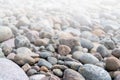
(49, 44)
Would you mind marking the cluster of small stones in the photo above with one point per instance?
(52, 48)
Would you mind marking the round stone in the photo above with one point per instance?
(5, 33)
(86, 44)
(88, 58)
(73, 65)
(64, 50)
(76, 55)
(58, 72)
(22, 41)
(92, 72)
(112, 63)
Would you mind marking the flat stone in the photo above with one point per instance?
(26, 67)
(70, 74)
(43, 62)
(45, 54)
(71, 42)
(52, 60)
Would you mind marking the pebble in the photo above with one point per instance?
(31, 72)
(76, 55)
(45, 54)
(71, 42)
(11, 56)
(92, 72)
(26, 52)
(109, 44)
(26, 67)
(37, 77)
(60, 62)
(61, 67)
(23, 59)
(64, 50)
(6, 49)
(9, 43)
(36, 67)
(52, 77)
(52, 60)
(25, 55)
(32, 35)
(5, 33)
(98, 32)
(116, 52)
(76, 48)
(43, 62)
(22, 41)
(70, 74)
(41, 42)
(58, 72)
(9, 68)
(50, 48)
(86, 43)
(112, 63)
(87, 58)
(103, 51)
(23, 21)
(43, 68)
(86, 34)
(73, 65)
(45, 34)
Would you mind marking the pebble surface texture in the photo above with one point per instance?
(10, 71)
(92, 72)
(59, 39)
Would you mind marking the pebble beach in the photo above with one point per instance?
(59, 40)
